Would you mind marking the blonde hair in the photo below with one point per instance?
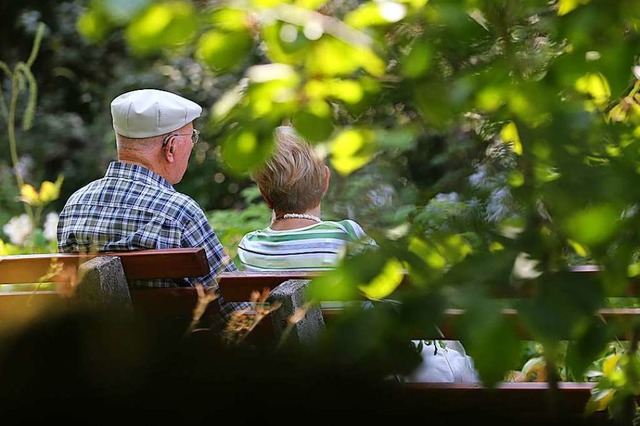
(293, 179)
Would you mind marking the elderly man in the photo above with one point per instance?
(134, 206)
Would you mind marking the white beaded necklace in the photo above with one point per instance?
(302, 216)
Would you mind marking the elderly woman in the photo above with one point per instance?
(293, 183)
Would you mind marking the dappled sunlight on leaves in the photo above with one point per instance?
(386, 282)
(593, 225)
(351, 150)
(566, 6)
(509, 134)
(597, 88)
(243, 150)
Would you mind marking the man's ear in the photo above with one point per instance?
(168, 148)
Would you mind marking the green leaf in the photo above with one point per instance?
(314, 125)
(566, 6)
(402, 138)
(563, 307)
(94, 25)
(230, 20)
(122, 11)
(222, 50)
(345, 282)
(165, 25)
(373, 13)
(332, 57)
(244, 150)
(386, 282)
(593, 225)
(334, 285)
(582, 352)
(490, 340)
(418, 61)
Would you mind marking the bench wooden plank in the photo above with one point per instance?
(165, 263)
(522, 400)
(143, 264)
(23, 305)
(35, 267)
(237, 286)
(508, 400)
(167, 301)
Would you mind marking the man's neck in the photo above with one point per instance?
(142, 162)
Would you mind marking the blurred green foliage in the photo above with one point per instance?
(230, 225)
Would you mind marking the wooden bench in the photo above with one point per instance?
(63, 280)
(517, 402)
(524, 403)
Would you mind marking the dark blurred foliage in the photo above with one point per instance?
(72, 133)
(85, 366)
(79, 367)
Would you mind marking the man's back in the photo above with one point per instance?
(132, 208)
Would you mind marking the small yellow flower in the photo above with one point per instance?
(610, 363)
(29, 195)
(49, 191)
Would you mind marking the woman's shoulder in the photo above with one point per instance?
(351, 224)
(350, 227)
(256, 234)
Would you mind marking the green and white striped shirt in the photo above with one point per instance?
(317, 247)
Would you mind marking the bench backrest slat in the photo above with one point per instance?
(237, 286)
(137, 265)
(164, 263)
(176, 304)
(34, 267)
(164, 301)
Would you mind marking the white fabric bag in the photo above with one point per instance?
(443, 361)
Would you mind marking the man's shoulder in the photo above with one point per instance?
(184, 198)
(186, 202)
(86, 189)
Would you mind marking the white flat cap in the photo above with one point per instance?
(149, 112)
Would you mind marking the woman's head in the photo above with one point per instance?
(295, 178)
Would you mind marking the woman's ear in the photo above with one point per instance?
(327, 177)
(266, 199)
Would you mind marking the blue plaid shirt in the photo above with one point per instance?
(132, 208)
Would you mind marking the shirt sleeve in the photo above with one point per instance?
(360, 241)
(199, 233)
